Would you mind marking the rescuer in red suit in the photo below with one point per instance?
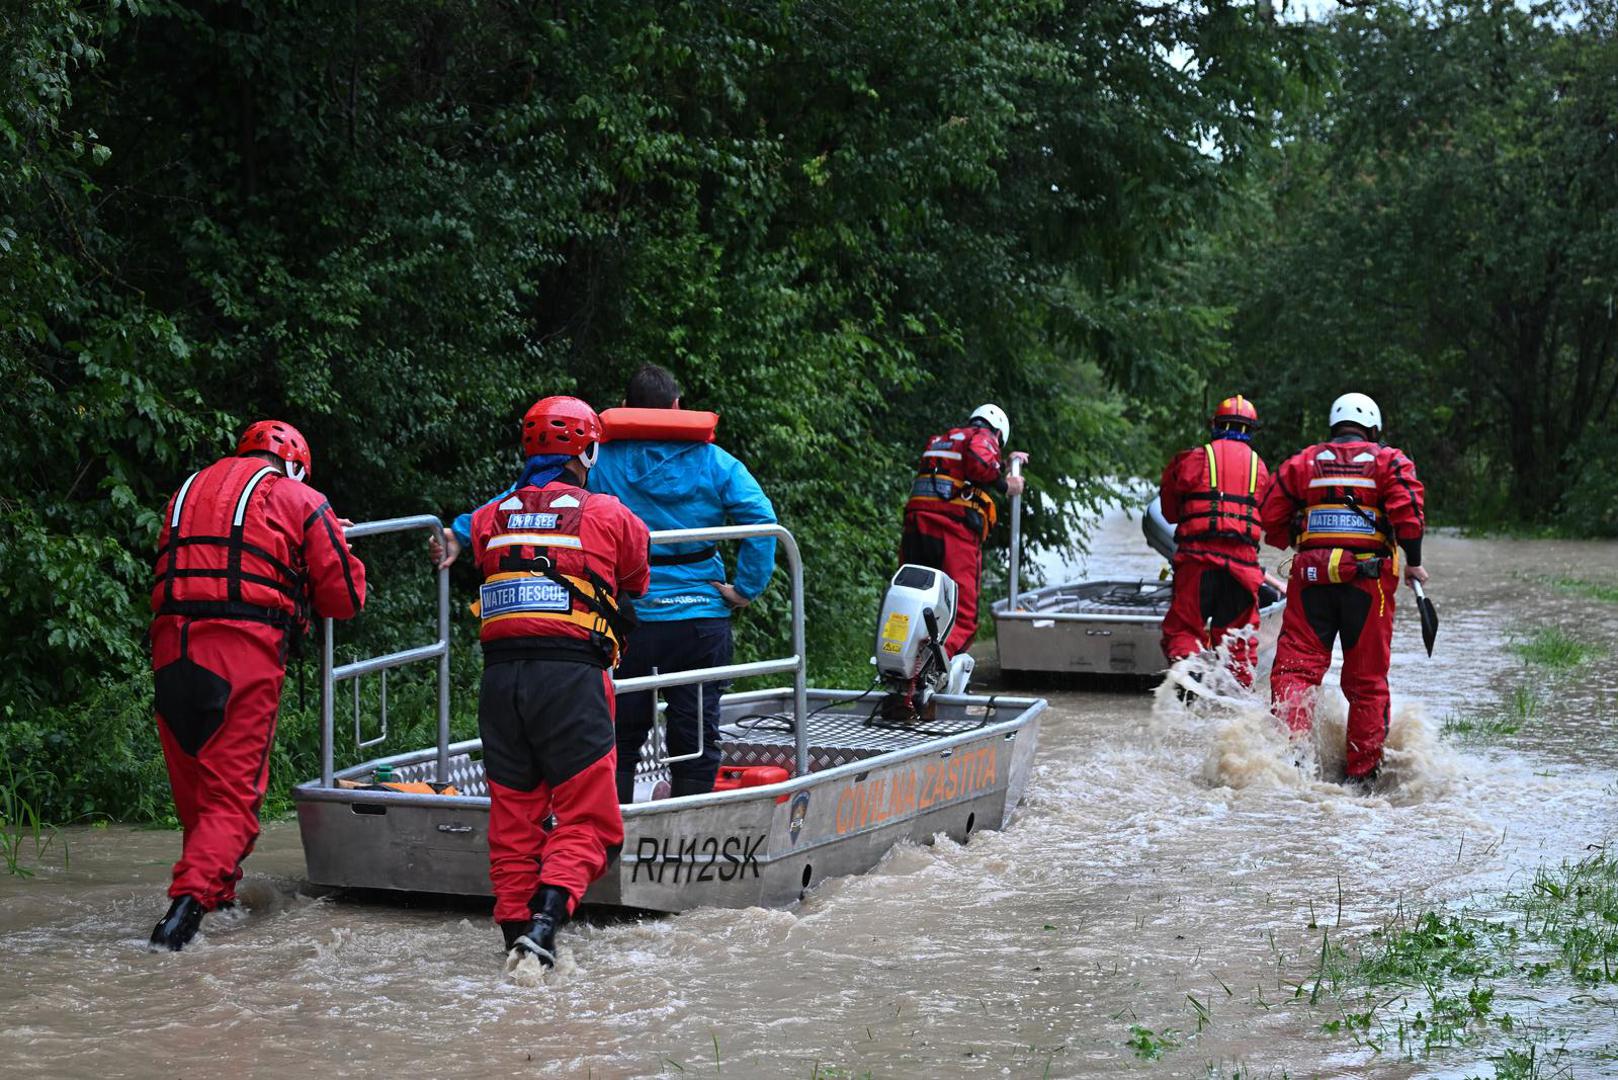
(558, 564)
(1349, 505)
(248, 552)
(951, 511)
(1212, 492)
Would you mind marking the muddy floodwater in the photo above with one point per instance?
(1171, 872)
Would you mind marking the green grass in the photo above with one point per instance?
(1551, 647)
(1605, 592)
(1495, 725)
(1150, 1045)
(20, 821)
(1545, 650)
(1574, 908)
(1435, 945)
(1418, 985)
(1519, 708)
(1432, 983)
(1528, 1061)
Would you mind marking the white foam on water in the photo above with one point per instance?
(525, 969)
(1247, 746)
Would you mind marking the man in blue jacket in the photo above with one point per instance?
(684, 618)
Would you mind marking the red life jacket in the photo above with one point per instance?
(954, 467)
(1342, 507)
(222, 556)
(535, 548)
(1228, 506)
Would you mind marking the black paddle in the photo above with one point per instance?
(1429, 616)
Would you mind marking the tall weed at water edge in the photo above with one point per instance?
(20, 820)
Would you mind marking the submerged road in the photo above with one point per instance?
(1171, 874)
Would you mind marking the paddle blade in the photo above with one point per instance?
(1429, 620)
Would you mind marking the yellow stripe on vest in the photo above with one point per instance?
(1213, 467)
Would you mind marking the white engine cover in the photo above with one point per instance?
(901, 633)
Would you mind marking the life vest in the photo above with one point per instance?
(942, 482)
(221, 557)
(1228, 506)
(537, 578)
(664, 425)
(1341, 507)
(672, 425)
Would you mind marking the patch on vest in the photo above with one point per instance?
(532, 521)
(932, 487)
(539, 595)
(1339, 521)
(512, 503)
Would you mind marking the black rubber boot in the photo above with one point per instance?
(537, 936)
(179, 926)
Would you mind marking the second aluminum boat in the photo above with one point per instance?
(1104, 626)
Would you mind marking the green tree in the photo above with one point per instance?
(1442, 232)
(843, 224)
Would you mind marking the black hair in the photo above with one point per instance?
(652, 387)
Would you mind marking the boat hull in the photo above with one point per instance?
(1071, 629)
(750, 847)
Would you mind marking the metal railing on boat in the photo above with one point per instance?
(331, 673)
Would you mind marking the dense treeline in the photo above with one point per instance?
(840, 223)
(1441, 229)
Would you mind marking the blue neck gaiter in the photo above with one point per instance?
(541, 469)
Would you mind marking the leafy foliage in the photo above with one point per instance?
(842, 224)
(1441, 231)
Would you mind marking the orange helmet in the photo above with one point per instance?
(281, 439)
(561, 425)
(1236, 410)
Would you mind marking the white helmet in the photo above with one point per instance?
(995, 417)
(1356, 409)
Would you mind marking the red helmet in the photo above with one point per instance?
(281, 439)
(1236, 410)
(561, 425)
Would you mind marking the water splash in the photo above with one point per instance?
(525, 970)
(1248, 747)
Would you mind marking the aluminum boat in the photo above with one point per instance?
(1109, 626)
(855, 785)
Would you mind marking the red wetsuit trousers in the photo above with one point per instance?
(1360, 611)
(1213, 596)
(218, 688)
(550, 756)
(945, 542)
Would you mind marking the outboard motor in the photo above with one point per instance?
(1159, 533)
(918, 613)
